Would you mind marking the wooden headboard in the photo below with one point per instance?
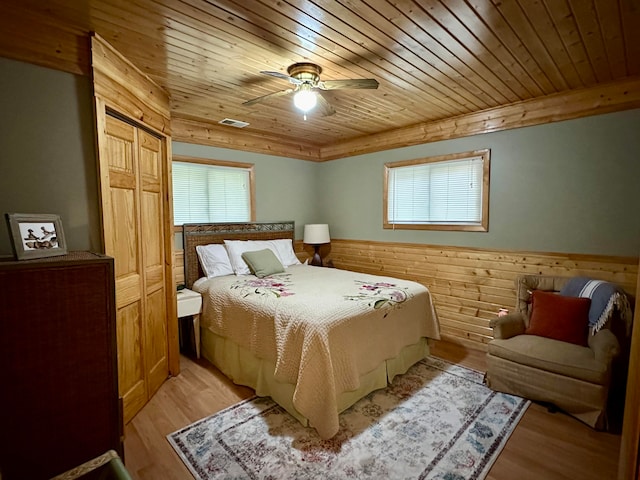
(195, 234)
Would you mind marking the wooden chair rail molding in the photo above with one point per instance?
(469, 285)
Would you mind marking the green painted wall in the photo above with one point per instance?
(567, 187)
(47, 145)
(286, 189)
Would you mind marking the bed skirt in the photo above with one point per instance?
(243, 368)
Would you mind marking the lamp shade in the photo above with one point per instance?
(316, 234)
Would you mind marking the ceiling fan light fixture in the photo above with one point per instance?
(305, 99)
(306, 78)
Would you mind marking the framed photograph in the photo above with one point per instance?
(36, 235)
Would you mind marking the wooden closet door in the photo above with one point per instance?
(155, 325)
(134, 156)
(121, 211)
(629, 462)
(133, 223)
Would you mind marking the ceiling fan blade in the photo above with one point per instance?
(326, 109)
(350, 83)
(284, 76)
(268, 95)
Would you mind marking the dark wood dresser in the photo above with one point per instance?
(59, 404)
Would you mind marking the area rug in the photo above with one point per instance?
(437, 421)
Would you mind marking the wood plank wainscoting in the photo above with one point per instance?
(468, 285)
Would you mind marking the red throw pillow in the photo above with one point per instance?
(559, 317)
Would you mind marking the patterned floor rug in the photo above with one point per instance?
(437, 421)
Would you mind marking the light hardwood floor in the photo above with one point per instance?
(544, 446)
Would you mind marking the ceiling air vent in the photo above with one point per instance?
(233, 123)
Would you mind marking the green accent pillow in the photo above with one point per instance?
(263, 262)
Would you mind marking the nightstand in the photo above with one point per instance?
(190, 303)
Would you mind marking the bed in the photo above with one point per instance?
(314, 339)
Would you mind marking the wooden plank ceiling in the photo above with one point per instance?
(435, 60)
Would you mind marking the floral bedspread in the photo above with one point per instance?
(323, 328)
(377, 295)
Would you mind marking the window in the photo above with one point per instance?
(212, 191)
(449, 192)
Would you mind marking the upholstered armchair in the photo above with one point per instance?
(525, 360)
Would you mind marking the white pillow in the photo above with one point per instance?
(283, 249)
(285, 252)
(214, 260)
(235, 249)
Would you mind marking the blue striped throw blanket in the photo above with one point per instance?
(605, 298)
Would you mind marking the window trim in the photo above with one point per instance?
(483, 226)
(219, 163)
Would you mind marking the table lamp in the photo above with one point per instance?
(316, 234)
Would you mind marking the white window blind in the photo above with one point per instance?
(210, 193)
(442, 192)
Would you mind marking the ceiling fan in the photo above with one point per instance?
(306, 78)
